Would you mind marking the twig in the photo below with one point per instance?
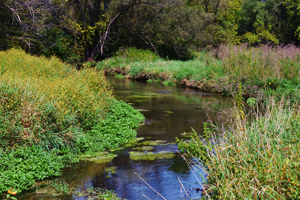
(183, 188)
(196, 176)
(146, 196)
(150, 186)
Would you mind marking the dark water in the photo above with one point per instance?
(169, 111)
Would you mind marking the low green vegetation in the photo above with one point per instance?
(99, 194)
(143, 148)
(55, 189)
(98, 157)
(61, 187)
(50, 113)
(264, 71)
(115, 130)
(21, 167)
(142, 155)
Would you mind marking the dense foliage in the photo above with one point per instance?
(47, 102)
(21, 167)
(86, 30)
(114, 131)
(49, 112)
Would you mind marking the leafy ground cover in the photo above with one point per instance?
(49, 112)
(263, 71)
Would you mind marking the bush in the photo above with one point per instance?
(21, 167)
(114, 131)
(44, 101)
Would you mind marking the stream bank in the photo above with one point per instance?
(169, 112)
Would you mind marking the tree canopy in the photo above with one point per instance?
(87, 30)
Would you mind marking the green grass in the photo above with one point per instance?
(50, 112)
(255, 159)
(263, 71)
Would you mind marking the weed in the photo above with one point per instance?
(46, 102)
(254, 160)
(115, 130)
(61, 187)
(21, 167)
(97, 193)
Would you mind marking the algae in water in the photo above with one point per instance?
(137, 155)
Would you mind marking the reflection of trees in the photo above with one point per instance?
(185, 104)
(79, 173)
(179, 166)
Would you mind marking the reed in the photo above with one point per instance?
(257, 159)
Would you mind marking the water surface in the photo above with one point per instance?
(169, 111)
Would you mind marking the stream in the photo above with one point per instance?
(169, 112)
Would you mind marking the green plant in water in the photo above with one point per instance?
(98, 193)
(197, 146)
(61, 187)
(136, 155)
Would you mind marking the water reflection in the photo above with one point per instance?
(169, 111)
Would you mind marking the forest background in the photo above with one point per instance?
(88, 30)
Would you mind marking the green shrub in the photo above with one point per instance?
(21, 167)
(115, 130)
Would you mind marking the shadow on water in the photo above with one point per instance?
(169, 111)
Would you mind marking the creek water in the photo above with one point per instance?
(169, 112)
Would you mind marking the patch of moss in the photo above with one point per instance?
(123, 91)
(153, 143)
(101, 157)
(144, 95)
(97, 193)
(111, 170)
(136, 155)
(119, 76)
(142, 110)
(143, 148)
(134, 142)
(169, 112)
(140, 100)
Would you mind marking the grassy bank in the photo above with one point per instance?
(50, 112)
(257, 158)
(263, 71)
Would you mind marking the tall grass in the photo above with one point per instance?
(44, 101)
(259, 159)
(261, 63)
(273, 70)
